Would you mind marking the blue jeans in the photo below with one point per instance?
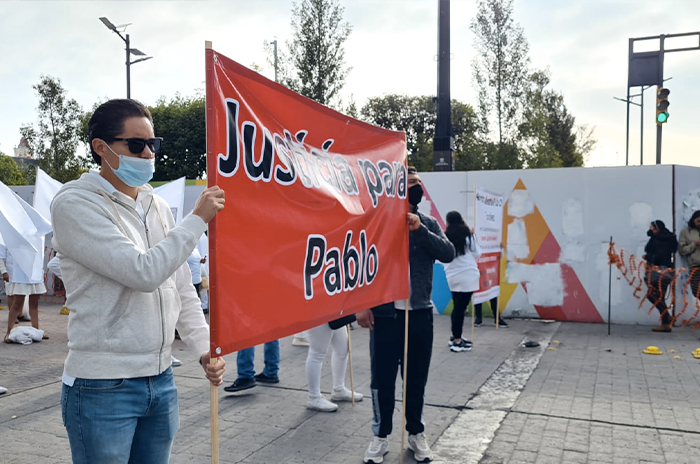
(121, 421)
(246, 358)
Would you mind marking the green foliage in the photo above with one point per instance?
(315, 63)
(500, 70)
(83, 134)
(181, 123)
(10, 173)
(54, 141)
(535, 129)
(417, 117)
(548, 131)
(506, 155)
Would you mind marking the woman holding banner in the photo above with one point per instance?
(123, 263)
(462, 275)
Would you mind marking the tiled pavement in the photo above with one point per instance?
(598, 399)
(594, 399)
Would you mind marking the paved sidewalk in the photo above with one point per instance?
(597, 399)
(268, 425)
(594, 399)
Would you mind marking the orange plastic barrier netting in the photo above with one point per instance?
(638, 275)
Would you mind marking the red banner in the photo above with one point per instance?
(489, 281)
(314, 226)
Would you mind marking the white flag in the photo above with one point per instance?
(45, 189)
(174, 193)
(22, 229)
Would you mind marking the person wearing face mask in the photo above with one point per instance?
(128, 286)
(659, 251)
(427, 243)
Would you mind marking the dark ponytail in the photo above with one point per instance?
(458, 233)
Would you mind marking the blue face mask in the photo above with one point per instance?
(134, 172)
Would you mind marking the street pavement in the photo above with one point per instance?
(580, 397)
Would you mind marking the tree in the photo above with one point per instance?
(506, 155)
(548, 130)
(417, 117)
(54, 141)
(181, 123)
(10, 173)
(315, 63)
(500, 71)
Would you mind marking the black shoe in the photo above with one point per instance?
(262, 378)
(477, 323)
(502, 323)
(241, 384)
(463, 345)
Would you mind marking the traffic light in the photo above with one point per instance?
(662, 105)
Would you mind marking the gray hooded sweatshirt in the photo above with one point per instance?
(127, 281)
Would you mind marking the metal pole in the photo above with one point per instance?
(128, 68)
(609, 286)
(659, 85)
(658, 143)
(627, 133)
(275, 43)
(641, 132)
(443, 142)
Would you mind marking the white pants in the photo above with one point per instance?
(320, 339)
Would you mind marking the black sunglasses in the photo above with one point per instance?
(136, 145)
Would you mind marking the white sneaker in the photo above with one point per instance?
(175, 362)
(298, 341)
(3, 390)
(321, 404)
(419, 445)
(376, 450)
(345, 395)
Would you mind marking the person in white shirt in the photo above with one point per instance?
(322, 338)
(20, 286)
(462, 275)
(194, 261)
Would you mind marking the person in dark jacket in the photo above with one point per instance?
(427, 243)
(659, 251)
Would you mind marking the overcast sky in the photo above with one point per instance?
(392, 49)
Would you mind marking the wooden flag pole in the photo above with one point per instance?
(213, 389)
(473, 309)
(405, 372)
(497, 314)
(474, 238)
(214, 408)
(352, 381)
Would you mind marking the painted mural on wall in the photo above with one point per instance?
(534, 260)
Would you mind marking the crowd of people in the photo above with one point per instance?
(117, 243)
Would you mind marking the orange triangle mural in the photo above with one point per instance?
(544, 248)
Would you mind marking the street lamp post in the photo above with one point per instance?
(275, 44)
(129, 51)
